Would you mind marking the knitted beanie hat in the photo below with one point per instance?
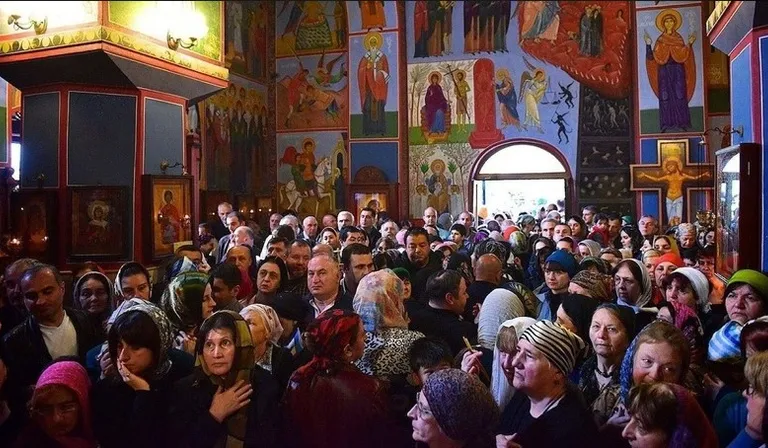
(724, 344)
(561, 347)
(670, 257)
(461, 404)
(565, 260)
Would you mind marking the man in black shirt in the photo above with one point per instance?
(419, 261)
(441, 317)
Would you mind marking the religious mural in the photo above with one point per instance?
(245, 49)
(670, 74)
(307, 27)
(604, 117)
(374, 95)
(372, 15)
(439, 177)
(312, 92)
(234, 133)
(312, 172)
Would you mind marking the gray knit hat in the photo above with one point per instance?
(461, 404)
(561, 347)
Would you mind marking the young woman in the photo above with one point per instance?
(227, 400)
(632, 240)
(60, 409)
(130, 404)
(93, 294)
(329, 402)
(132, 280)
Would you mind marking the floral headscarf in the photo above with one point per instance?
(163, 328)
(183, 300)
(270, 318)
(686, 319)
(646, 287)
(73, 376)
(327, 336)
(378, 301)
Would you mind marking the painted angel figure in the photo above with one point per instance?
(532, 89)
(324, 76)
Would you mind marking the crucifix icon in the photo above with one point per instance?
(674, 177)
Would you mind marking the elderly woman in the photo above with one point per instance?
(330, 386)
(271, 275)
(610, 331)
(266, 330)
(186, 305)
(745, 300)
(60, 409)
(546, 410)
(634, 289)
(659, 353)
(130, 404)
(387, 337)
(93, 294)
(686, 235)
(454, 409)
(591, 284)
(666, 415)
(227, 400)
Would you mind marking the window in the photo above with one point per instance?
(16, 160)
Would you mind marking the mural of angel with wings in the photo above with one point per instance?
(323, 75)
(533, 85)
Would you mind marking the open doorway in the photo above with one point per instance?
(519, 177)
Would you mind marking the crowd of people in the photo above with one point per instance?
(359, 331)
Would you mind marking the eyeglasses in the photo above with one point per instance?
(61, 408)
(424, 412)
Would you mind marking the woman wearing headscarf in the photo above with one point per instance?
(228, 400)
(132, 280)
(665, 244)
(329, 402)
(589, 248)
(631, 240)
(266, 331)
(546, 409)
(499, 306)
(60, 409)
(454, 409)
(666, 415)
(610, 332)
(183, 303)
(130, 404)
(659, 353)
(634, 289)
(93, 294)
(684, 318)
(504, 349)
(591, 284)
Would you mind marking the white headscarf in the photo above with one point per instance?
(646, 288)
(270, 318)
(501, 389)
(499, 306)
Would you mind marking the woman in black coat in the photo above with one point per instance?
(227, 399)
(129, 406)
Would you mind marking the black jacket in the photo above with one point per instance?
(442, 324)
(218, 229)
(343, 302)
(419, 276)
(123, 417)
(26, 355)
(193, 426)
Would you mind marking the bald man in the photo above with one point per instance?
(488, 270)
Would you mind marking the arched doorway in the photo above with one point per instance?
(519, 176)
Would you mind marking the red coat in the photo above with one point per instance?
(344, 409)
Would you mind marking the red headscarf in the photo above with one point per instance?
(246, 286)
(327, 336)
(74, 377)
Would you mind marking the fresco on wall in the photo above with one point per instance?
(439, 177)
(382, 155)
(312, 92)
(603, 117)
(372, 15)
(234, 136)
(374, 96)
(660, 3)
(716, 140)
(670, 73)
(308, 27)
(245, 46)
(312, 172)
